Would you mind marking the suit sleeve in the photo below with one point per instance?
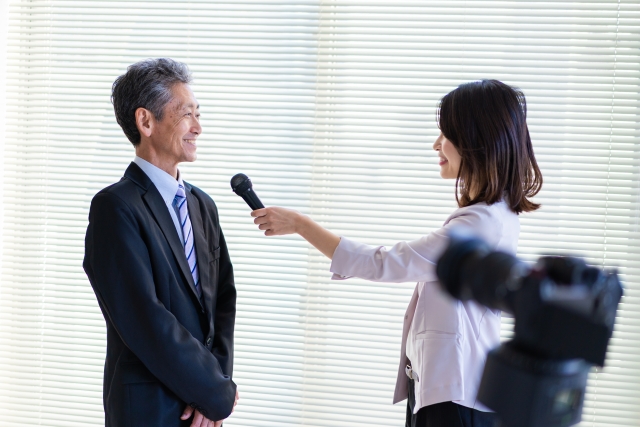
(225, 311)
(119, 268)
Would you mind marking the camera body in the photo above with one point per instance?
(564, 314)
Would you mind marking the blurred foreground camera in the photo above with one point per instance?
(564, 315)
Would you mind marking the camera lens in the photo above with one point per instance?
(462, 251)
(493, 278)
(469, 270)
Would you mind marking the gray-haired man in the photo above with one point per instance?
(158, 262)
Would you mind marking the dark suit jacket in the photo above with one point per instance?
(165, 348)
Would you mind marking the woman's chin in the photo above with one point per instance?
(446, 175)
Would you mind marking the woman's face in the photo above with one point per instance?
(449, 157)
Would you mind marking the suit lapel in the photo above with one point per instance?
(160, 212)
(163, 218)
(202, 249)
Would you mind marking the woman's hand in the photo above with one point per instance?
(276, 221)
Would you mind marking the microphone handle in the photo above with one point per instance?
(252, 199)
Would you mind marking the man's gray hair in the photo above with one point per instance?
(146, 84)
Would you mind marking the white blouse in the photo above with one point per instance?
(445, 341)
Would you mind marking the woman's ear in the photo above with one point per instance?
(144, 121)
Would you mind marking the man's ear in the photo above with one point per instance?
(145, 121)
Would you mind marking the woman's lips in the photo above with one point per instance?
(442, 161)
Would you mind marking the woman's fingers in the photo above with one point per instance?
(260, 220)
(259, 212)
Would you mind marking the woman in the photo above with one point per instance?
(485, 146)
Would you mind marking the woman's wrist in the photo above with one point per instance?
(302, 224)
(321, 238)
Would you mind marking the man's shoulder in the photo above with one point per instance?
(124, 191)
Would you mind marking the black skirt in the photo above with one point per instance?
(446, 414)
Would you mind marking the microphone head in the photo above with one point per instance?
(240, 183)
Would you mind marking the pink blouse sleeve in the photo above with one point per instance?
(413, 261)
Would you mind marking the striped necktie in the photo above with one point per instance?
(180, 201)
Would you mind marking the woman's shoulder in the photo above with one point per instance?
(498, 212)
(496, 223)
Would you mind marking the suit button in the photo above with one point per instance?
(208, 341)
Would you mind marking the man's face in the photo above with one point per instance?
(174, 137)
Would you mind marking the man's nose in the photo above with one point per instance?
(196, 127)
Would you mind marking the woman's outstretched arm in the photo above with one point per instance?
(277, 221)
(412, 261)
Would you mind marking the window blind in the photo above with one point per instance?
(4, 14)
(254, 64)
(329, 106)
(382, 68)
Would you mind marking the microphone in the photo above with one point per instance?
(241, 185)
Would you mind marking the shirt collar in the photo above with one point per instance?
(165, 183)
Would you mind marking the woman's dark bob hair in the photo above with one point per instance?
(487, 123)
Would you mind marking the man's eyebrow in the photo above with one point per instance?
(187, 106)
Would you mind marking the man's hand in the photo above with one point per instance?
(199, 420)
(236, 401)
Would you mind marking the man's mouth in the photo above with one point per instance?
(190, 141)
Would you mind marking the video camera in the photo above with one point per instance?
(564, 314)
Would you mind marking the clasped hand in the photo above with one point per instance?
(200, 420)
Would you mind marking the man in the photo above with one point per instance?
(158, 264)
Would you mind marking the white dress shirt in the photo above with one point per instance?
(166, 185)
(445, 341)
